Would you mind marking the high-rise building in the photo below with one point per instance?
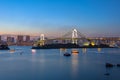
(19, 38)
(0, 38)
(9, 39)
(27, 38)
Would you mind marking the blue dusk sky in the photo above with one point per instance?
(94, 18)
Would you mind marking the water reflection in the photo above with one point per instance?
(84, 50)
(48, 64)
(74, 54)
(33, 51)
(62, 51)
(99, 49)
(12, 50)
(75, 65)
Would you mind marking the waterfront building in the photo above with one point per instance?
(0, 38)
(10, 39)
(20, 38)
(27, 38)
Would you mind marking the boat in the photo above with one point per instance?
(67, 54)
(74, 51)
(12, 50)
(4, 47)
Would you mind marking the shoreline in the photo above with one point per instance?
(69, 46)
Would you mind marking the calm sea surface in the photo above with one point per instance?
(50, 64)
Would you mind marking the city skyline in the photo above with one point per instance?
(96, 18)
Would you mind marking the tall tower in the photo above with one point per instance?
(74, 36)
(42, 39)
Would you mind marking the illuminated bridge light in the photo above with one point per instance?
(86, 44)
(92, 43)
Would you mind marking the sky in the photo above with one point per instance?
(93, 18)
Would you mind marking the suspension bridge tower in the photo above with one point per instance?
(42, 39)
(74, 36)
